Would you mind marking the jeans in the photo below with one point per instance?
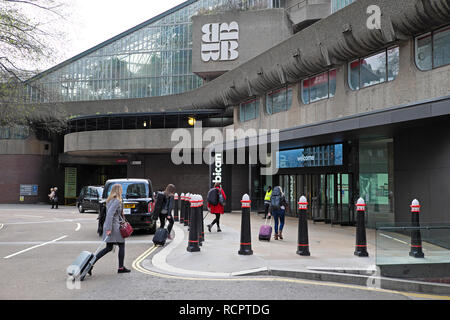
(278, 217)
(109, 247)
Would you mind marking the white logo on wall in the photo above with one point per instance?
(220, 41)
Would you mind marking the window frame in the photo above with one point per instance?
(431, 34)
(286, 89)
(309, 87)
(385, 50)
(257, 103)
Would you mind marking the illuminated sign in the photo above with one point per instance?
(320, 156)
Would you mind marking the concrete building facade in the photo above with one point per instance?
(361, 111)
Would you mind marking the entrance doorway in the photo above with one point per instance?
(329, 195)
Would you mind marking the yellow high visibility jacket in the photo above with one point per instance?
(268, 195)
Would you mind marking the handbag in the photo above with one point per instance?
(125, 228)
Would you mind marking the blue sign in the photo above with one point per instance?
(321, 156)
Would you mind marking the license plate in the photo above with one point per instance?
(127, 211)
(129, 205)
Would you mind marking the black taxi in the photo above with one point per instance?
(137, 203)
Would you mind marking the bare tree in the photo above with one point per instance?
(25, 42)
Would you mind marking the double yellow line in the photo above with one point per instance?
(137, 266)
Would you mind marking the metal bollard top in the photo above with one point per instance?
(360, 205)
(415, 206)
(302, 203)
(246, 201)
(193, 200)
(182, 196)
(175, 196)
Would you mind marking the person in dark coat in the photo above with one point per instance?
(111, 227)
(218, 209)
(166, 209)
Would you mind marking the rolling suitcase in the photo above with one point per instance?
(265, 232)
(83, 263)
(160, 236)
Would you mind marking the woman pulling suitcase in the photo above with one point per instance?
(111, 227)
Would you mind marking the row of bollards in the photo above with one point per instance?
(188, 210)
(303, 242)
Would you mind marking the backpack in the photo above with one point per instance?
(275, 199)
(213, 197)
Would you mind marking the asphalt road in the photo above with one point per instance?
(37, 244)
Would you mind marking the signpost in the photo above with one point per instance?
(70, 183)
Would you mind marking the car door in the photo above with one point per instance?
(89, 198)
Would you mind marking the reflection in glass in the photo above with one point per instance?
(441, 44)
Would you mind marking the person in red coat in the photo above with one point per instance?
(218, 209)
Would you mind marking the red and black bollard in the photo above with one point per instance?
(416, 238)
(187, 211)
(246, 237)
(182, 207)
(175, 207)
(193, 245)
(361, 242)
(200, 220)
(303, 242)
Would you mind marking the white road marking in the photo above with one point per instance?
(78, 226)
(384, 235)
(1, 226)
(48, 221)
(27, 216)
(34, 247)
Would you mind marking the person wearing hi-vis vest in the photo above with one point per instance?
(267, 201)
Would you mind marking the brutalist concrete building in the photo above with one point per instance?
(359, 91)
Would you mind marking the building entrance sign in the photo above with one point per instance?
(220, 41)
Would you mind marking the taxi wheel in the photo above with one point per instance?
(80, 208)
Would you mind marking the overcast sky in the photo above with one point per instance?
(94, 21)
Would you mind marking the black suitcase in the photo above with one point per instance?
(83, 264)
(160, 236)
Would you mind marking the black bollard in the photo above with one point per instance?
(416, 238)
(187, 211)
(193, 232)
(361, 242)
(175, 207)
(246, 237)
(199, 218)
(182, 206)
(303, 242)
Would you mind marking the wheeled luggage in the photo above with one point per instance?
(160, 236)
(265, 232)
(83, 264)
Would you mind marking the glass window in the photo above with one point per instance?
(279, 100)
(433, 49)
(441, 46)
(319, 87)
(375, 69)
(249, 110)
(424, 51)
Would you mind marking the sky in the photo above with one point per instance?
(91, 22)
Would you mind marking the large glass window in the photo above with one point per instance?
(154, 60)
(433, 49)
(279, 100)
(376, 179)
(322, 86)
(375, 69)
(249, 110)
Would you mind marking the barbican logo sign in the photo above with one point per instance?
(220, 41)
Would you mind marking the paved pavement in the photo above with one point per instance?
(46, 239)
(332, 255)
